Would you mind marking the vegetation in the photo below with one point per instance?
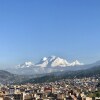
(95, 71)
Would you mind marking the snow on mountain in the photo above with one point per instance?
(54, 61)
(51, 58)
(43, 62)
(76, 63)
(25, 65)
(50, 62)
(44, 59)
(59, 62)
(46, 65)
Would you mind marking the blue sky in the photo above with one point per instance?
(31, 29)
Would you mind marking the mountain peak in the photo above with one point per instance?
(44, 59)
(51, 58)
(25, 65)
(76, 62)
(59, 62)
(28, 63)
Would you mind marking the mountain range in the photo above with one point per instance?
(49, 65)
(48, 68)
(45, 65)
(51, 61)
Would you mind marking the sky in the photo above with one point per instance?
(32, 29)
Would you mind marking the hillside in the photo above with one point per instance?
(9, 78)
(95, 71)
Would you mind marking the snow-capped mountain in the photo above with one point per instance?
(49, 65)
(76, 62)
(46, 65)
(25, 65)
(59, 62)
(54, 61)
(50, 62)
(43, 62)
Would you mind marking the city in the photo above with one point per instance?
(66, 89)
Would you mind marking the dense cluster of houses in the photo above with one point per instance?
(68, 89)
